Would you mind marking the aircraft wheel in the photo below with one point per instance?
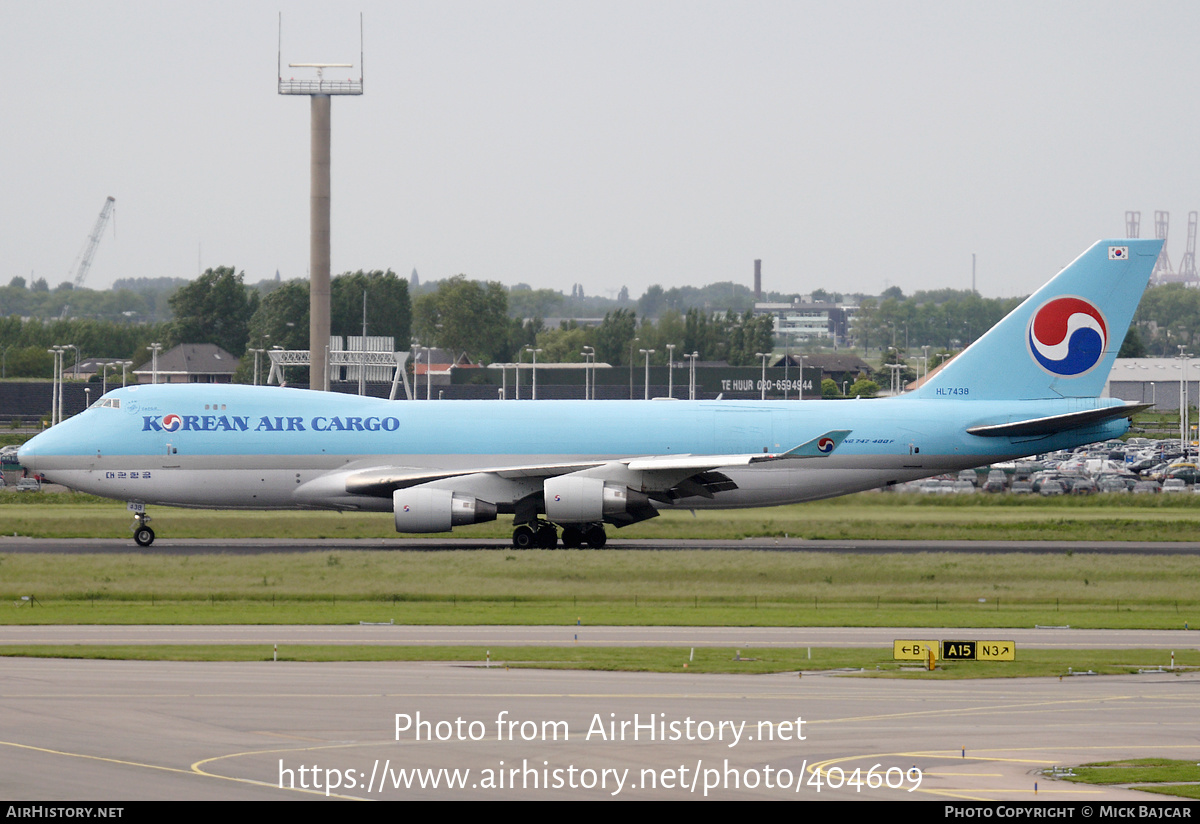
(143, 536)
(572, 538)
(596, 539)
(547, 536)
(523, 537)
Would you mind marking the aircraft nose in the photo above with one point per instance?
(28, 454)
(27, 457)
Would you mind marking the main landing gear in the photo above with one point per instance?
(142, 534)
(544, 535)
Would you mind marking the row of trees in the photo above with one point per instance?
(942, 319)
(720, 336)
(494, 323)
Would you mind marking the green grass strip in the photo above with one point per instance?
(1030, 663)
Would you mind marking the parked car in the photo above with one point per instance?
(1112, 484)
(996, 481)
(1174, 485)
(1052, 487)
(1084, 486)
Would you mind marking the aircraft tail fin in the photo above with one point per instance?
(1062, 340)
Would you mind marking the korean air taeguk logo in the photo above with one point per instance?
(825, 445)
(1067, 336)
(171, 422)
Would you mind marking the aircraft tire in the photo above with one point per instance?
(143, 536)
(596, 539)
(572, 538)
(547, 537)
(523, 538)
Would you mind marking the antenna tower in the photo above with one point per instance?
(319, 91)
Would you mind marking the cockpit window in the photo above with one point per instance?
(109, 403)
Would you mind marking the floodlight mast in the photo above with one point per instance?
(320, 91)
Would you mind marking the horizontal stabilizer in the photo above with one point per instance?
(1058, 423)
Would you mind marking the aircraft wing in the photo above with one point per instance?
(655, 474)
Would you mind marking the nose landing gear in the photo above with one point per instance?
(143, 535)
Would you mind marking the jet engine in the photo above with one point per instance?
(427, 509)
(575, 499)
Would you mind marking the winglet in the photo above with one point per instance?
(820, 446)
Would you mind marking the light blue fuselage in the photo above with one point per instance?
(254, 447)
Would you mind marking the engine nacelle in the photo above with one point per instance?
(575, 499)
(427, 509)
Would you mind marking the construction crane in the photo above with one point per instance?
(84, 261)
(1162, 267)
(1187, 268)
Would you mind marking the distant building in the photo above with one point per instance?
(191, 363)
(1153, 380)
(803, 320)
(90, 367)
(837, 367)
(435, 365)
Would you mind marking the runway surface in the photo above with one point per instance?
(123, 730)
(500, 636)
(256, 546)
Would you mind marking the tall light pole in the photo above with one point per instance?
(154, 348)
(647, 353)
(517, 379)
(1183, 401)
(75, 367)
(124, 364)
(56, 351)
(535, 354)
(631, 343)
(692, 375)
(256, 352)
(428, 374)
(589, 372)
(670, 370)
(762, 384)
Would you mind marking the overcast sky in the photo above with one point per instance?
(851, 146)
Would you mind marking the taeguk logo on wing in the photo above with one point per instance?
(171, 422)
(1067, 336)
(825, 445)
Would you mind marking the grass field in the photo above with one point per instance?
(685, 587)
(1080, 588)
(1153, 775)
(745, 660)
(865, 516)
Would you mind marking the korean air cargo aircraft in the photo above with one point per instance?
(1030, 385)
